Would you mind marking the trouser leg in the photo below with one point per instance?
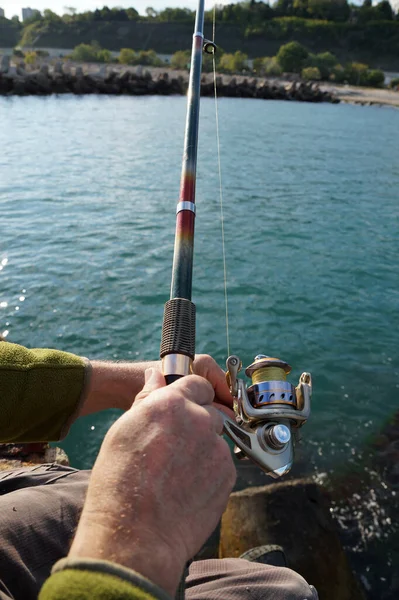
(39, 511)
(238, 579)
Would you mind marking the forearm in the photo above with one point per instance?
(113, 385)
(40, 390)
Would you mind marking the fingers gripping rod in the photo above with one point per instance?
(266, 412)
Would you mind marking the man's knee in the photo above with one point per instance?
(239, 578)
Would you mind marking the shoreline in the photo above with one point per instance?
(92, 78)
(82, 80)
(364, 96)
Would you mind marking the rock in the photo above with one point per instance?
(58, 68)
(16, 456)
(5, 64)
(79, 72)
(12, 73)
(21, 68)
(44, 70)
(139, 71)
(101, 73)
(294, 514)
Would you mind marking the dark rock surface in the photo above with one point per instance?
(16, 81)
(296, 515)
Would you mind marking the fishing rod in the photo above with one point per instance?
(267, 410)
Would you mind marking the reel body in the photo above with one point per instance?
(266, 412)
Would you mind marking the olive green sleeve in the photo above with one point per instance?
(85, 579)
(40, 391)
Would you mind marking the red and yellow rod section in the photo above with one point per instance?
(178, 332)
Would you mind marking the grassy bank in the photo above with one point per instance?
(368, 36)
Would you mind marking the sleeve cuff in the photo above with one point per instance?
(78, 407)
(113, 570)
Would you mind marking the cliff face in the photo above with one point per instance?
(9, 34)
(375, 43)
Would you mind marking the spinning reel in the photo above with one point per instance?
(266, 412)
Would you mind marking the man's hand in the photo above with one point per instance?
(115, 385)
(160, 483)
(205, 366)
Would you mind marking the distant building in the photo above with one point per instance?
(27, 13)
(1, 12)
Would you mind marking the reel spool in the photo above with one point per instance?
(266, 412)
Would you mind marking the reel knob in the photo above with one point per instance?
(277, 436)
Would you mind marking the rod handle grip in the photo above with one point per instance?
(172, 378)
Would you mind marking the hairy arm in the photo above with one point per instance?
(44, 391)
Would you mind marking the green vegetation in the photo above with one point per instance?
(128, 56)
(292, 57)
(181, 59)
(295, 58)
(91, 53)
(368, 33)
(329, 32)
(394, 83)
(31, 58)
(324, 62)
(233, 63)
(311, 74)
(267, 66)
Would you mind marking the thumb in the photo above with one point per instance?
(153, 380)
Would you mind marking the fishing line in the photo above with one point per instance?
(220, 186)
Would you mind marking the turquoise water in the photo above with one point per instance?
(88, 190)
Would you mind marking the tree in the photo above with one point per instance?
(127, 56)
(149, 57)
(385, 9)
(31, 58)
(85, 53)
(272, 66)
(70, 10)
(267, 66)
(311, 74)
(324, 62)
(176, 14)
(284, 8)
(180, 59)
(132, 14)
(330, 10)
(375, 78)
(234, 63)
(51, 16)
(151, 13)
(292, 57)
(104, 56)
(356, 73)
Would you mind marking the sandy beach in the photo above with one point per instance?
(362, 95)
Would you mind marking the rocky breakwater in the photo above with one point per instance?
(16, 80)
